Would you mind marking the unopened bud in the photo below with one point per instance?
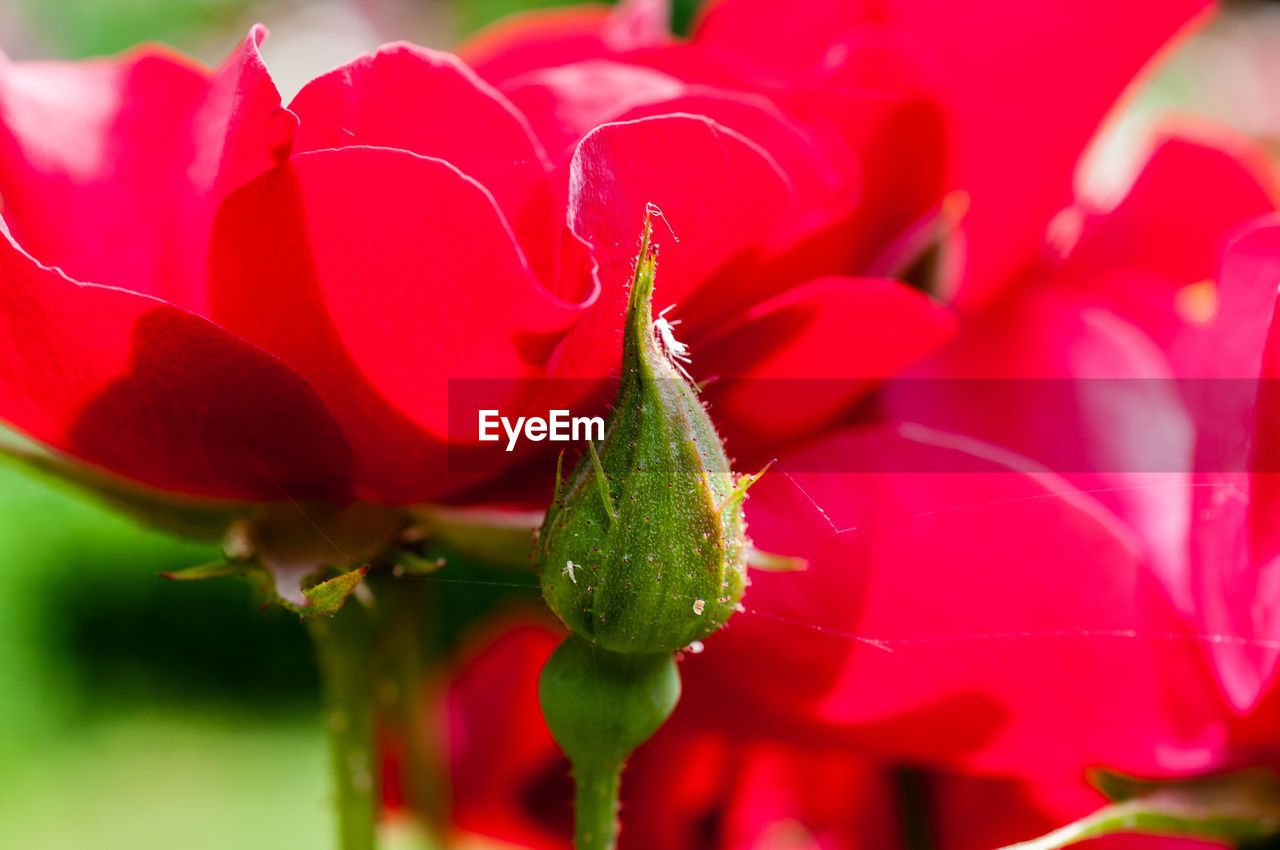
(644, 549)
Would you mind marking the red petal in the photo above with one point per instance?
(854, 332)
(721, 199)
(378, 99)
(92, 161)
(1076, 388)
(872, 97)
(1027, 85)
(1006, 598)
(1191, 192)
(545, 38)
(1220, 351)
(978, 814)
(565, 102)
(155, 394)
(1252, 266)
(380, 275)
(240, 130)
(508, 778)
(117, 166)
(789, 39)
(1245, 572)
(697, 789)
(569, 101)
(1172, 226)
(821, 184)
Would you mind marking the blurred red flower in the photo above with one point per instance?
(1034, 586)
(1029, 613)
(695, 787)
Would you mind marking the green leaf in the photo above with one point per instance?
(327, 597)
(1233, 808)
(321, 599)
(218, 569)
(258, 576)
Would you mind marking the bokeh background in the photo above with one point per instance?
(137, 713)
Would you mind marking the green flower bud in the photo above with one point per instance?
(644, 549)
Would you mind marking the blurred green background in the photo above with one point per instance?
(140, 714)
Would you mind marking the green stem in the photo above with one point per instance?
(407, 651)
(344, 646)
(601, 705)
(596, 806)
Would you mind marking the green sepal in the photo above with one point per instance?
(602, 484)
(555, 496)
(218, 569)
(328, 596)
(1236, 808)
(323, 598)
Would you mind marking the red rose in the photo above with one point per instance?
(294, 286)
(269, 330)
(291, 288)
(109, 173)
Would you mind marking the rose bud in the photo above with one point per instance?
(644, 548)
(643, 551)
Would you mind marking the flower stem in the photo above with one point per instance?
(596, 806)
(601, 705)
(344, 646)
(407, 653)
